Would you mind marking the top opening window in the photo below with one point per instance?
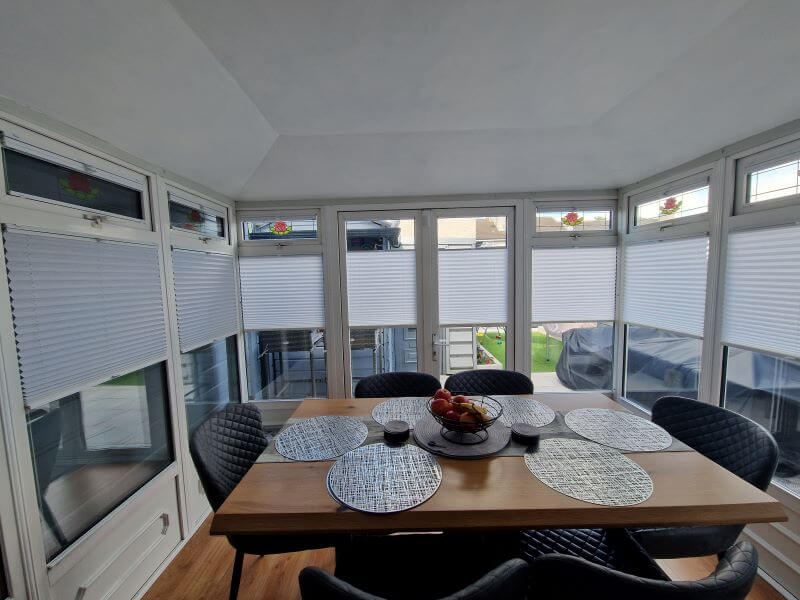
(85, 187)
(572, 220)
(279, 229)
(769, 179)
(196, 216)
(683, 201)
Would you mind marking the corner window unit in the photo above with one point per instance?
(45, 174)
(195, 217)
(676, 203)
(768, 179)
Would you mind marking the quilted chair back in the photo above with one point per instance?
(224, 447)
(397, 385)
(572, 578)
(488, 382)
(732, 441)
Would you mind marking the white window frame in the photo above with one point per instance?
(574, 238)
(248, 215)
(679, 227)
(756, 162)
(195, 240)
(62, 154)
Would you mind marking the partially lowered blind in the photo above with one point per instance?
(205, 295)
(664, 284)
(84, 310)
(473, 286)
(382, 288)
(762, 290)
(573, 284)
(282, 292)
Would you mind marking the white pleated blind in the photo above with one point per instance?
(84, 311)
(282, 292)
(573, 284)
(762, 290)
(473, 286)
(664, 284)
(382, 288)
(205, 295)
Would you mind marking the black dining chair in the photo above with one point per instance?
(223, 449)
(396, 385)
(569, 577)
(506, 582)
(732, 441)
(489, 381)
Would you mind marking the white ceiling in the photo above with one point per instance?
(393, 97)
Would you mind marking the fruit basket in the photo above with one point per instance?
(464, 419)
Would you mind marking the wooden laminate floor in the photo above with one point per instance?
(202, 571)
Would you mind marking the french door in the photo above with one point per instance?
(426, 290)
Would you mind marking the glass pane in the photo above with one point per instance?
(380, 234)
(382, 350)
(286, 364)
(460, 233)
(304, 228)
(210, 379)
(686, 204)
(470, 347)
(93, 449)
(766, 389)
(197, 219)
(572, 356)
(573, 220)
(36, 177)
(660, 363)
(773, 183)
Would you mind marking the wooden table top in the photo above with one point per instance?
(491, 493)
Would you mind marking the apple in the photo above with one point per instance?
(439, 406)
(442, 394)
(452, 415)
(459, 399)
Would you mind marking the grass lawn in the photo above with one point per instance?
(135, 378)
(538, 362)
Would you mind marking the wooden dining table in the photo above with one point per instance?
(492, 493)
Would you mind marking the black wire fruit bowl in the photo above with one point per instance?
(467, 419)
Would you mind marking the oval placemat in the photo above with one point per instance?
(525, 410)
(618, 429)
(383, 479)
(428, 434)
(320, 438)
(590, 472)
(400, 409)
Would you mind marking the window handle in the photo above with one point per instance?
(96, 220)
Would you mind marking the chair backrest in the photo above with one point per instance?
(732, 441)
(489, 381)
(571, 578)
(45, 442)
(509, 581)
(224, 447)
(396, 385)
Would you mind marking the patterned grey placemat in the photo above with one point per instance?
(400, 409)
(590, 472)
(381, 479)
(321, 438)
(525, 410)
(618, 429)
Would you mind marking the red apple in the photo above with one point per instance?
(439, 406)
(459, 399)
(452, 415)
(442, 394)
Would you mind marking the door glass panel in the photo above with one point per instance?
(93, 449)
(473, 293)
(382, 296)
(42, 179)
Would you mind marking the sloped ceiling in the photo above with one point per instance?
(393, 97)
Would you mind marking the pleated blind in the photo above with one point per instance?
(382, 288)
(473, 286)
(762, 290)
(664, 284)
(282, 292)
(84, 311)
(573, 284)
(205, 295)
